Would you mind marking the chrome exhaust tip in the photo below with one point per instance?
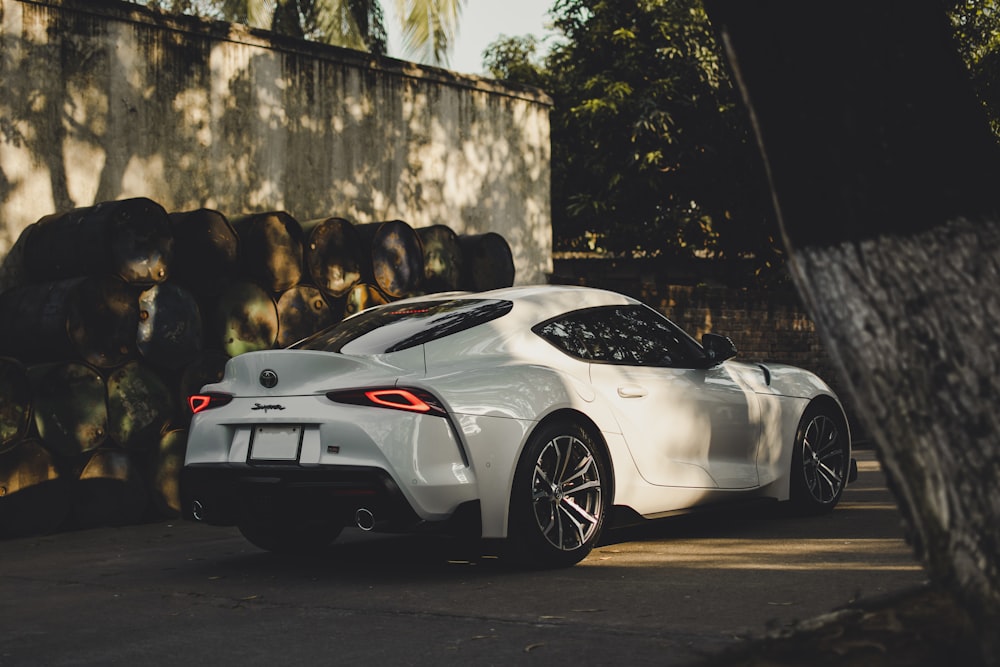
(198, 511)
(364, 519)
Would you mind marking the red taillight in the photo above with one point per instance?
(410, 400)
(201, 402)
(398, 398)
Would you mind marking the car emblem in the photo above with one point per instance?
(268, 378)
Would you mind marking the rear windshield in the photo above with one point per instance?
(394, 328)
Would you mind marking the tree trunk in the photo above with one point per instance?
(884, 174)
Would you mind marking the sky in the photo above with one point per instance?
(483, 21)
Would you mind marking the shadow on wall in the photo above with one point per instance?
(191, 114)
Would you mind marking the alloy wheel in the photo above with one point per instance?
(823, 460)
(566, 493)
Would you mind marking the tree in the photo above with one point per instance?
(428, 26)
(977, 30)
(515, 59)
(884, 170)
(652, 153)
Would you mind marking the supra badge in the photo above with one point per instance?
(268, 378)
(265, 408)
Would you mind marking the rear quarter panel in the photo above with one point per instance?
(498, 391)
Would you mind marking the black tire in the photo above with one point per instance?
(288, 536)
(821, 461)
(560, 497)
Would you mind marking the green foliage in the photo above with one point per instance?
(976, 25)
(515, 59)
(652, 150)
(428, 26)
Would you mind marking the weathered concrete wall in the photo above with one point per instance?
(102, 100)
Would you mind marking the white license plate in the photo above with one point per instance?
(276, 443)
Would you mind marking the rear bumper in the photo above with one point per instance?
(220, 493)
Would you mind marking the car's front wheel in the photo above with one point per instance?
(560, 497)
(820, 461)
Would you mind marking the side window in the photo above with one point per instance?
(632, 335)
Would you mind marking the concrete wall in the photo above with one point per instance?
(103, 100)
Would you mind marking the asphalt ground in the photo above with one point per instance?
(668, 593)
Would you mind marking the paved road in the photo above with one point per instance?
(178, 593)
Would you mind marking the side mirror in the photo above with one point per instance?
(717, 348)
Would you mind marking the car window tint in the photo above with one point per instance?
(634, 335)
(398, 327)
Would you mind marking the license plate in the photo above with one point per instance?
(276, 443)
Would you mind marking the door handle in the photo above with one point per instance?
(632, 391)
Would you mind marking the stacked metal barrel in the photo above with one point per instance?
(110, 315)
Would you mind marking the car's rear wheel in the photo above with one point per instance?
(288, 535)
(820, 461)
(560, 497)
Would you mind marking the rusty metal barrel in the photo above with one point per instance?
(362, 297)
(35, 497)
(92, 318)
(139, 406)
(442, 258)
(334, 255)
(166, 471)
(395, 260)
(243, 319)
(109, 490)
(13, 272)
(487, 262)
(130, 238)
(70, 407)
(207, 368)
(270, 249)
(15, 403)
(302, 311)
(169, 334)
(206, 250)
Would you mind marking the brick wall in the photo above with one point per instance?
(770, 325)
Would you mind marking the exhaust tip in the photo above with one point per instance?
(364, 519)
(198, 511)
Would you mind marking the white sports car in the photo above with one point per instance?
(535, 414)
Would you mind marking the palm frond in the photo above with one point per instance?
(429, 27)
